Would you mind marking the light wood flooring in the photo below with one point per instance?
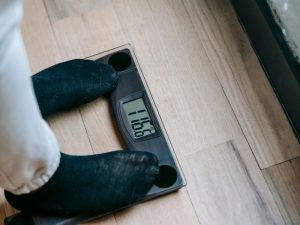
(236, 147)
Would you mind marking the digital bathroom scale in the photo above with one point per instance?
(140, 126)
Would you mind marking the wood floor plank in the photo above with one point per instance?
(5, 208)
(101, 129)
(168, 210)
(38, 37)
(2, 216)
(185, 88)
(60, 9)
(245, 84)
(2, 207)
(107, 220)
(227, 187)
(284, 182)
(70, 132)
(86, 34)
(8, 210)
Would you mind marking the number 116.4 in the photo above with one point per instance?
(141, 124)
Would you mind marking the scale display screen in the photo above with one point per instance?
(138, 118)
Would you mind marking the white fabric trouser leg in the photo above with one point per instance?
(29, 153)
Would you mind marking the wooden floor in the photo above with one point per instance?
(236, 147)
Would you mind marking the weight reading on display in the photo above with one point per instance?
(138, 118)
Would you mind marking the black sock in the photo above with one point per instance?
(97, 183)
(72, 83)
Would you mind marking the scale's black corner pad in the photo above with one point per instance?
(120, 61)
(167, 176)
(139, 124)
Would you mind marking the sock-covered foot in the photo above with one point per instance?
(72, 83)
(97, 183)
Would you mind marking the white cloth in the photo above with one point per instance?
(29, 153)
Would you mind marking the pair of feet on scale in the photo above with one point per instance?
(83, 184)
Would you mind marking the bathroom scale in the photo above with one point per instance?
(141, 128)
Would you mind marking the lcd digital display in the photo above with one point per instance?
(138, 118)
